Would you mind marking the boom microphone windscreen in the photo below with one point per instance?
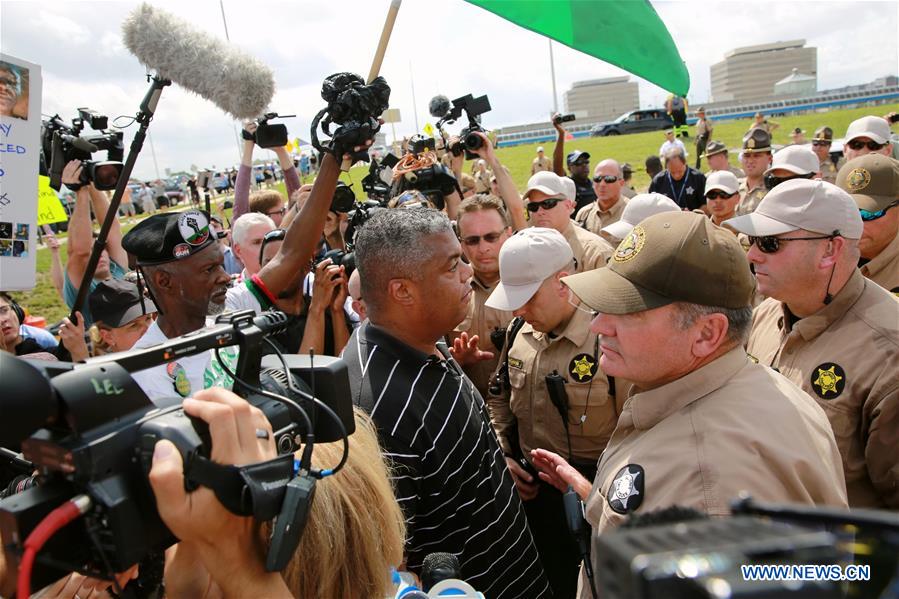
(235, 82)
(439, 106)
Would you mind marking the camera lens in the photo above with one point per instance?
(105, 176)
(473, 141)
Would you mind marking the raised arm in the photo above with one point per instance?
(100, 203)
(242, 184)
(507, 190)
(559, 150)
(291, 176)
(80, 237)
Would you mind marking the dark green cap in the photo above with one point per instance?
(872, 180)
(669, 257)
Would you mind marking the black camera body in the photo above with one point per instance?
(268, 135)
(473, 108)
(563, 118)
(434, 181)
(89, 429)
(62, 143)
(344, 199)
(377, 183)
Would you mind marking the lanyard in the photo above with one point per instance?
(682, 187)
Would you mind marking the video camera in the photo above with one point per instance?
(441, 108)
(62, 143)
(90, 430)
(434, 180)
(377, 183)
(267, 135)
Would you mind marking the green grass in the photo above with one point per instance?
(44, 301)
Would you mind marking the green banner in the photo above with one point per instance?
(626, 33)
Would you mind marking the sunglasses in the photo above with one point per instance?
(718, 195)
(821, 143)
(770, 244)
(857, 144)
(545, 204)
(771, 181)
(868, 216)
(606, 178)
(473, 240)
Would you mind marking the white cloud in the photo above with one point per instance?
(454, 48)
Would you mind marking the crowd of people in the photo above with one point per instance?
(717, 333)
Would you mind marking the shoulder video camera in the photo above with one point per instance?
(449, 112)
(62, 143)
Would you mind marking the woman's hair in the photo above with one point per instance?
(355, 532)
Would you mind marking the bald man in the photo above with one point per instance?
(608, 180)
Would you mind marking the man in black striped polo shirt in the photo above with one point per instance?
(449, 475)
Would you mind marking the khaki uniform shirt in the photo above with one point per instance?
(883, 269)
(829, 170)
(628, 192)
(750, 198)
(704, 127)
(592, 415)
(738, 172)
(591, 251)
(846, 356)
(480, 321)
(593, 218)
(699, 441)
(541, 164)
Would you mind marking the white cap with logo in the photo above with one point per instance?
(637, 209)
(809, 204)
(874, 128)
(799, 160)
(527, 259)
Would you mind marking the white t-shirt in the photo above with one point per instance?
(667, 145)
(241, 298)
(186, 375)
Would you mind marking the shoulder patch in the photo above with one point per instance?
(516, 363)
(626, 492)
(828, 380)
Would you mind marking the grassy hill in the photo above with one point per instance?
(634, 149)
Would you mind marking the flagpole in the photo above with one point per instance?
(552, 70)
(414, 103)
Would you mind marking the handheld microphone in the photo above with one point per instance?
(237, 83)
(437, 567)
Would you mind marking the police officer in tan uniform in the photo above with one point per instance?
(827, 328)
(703, 422)
(608, 182)
(703, 135)
(821, 143)
(627, 190)
(483, 228)
(873, 182)
(716, 154)
(756, 158)
(541, 162)
(549, 203)
(551, 392)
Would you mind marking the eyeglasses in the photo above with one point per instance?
(282, 212)
(545, 204)
(770, 244)
(868, 216)
(577, 307)
(771, 181)
(857, 144)
(606, 178)
(821, 142)
(718, 195)
(473, 240)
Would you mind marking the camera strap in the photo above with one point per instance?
(252, 490)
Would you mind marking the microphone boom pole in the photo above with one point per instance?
(144, 116)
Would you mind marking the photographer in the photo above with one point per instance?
(113, 261)
(242, 197)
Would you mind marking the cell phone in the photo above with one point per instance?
(563, 118)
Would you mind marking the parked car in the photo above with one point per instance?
(173, 191)
(636, 121)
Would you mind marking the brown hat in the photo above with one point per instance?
(714, 147)
(669, 257)
(757, 140)
(824, 133)
(872, 180)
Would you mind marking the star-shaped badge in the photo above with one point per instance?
(626, 492)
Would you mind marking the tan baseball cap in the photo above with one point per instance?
(669, 257)
(549, 183)
(527, 259)
(724, 181)
(873, 127)
(639, 208)
(872, 180)
(799, 160)
(808, 204)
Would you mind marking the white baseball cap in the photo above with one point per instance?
(808, 204)
(724, 181)
(526, 260)
(799, 160)
(872, 127)
(547, 182)
(637, 209)
(570, 188)
(539, 148)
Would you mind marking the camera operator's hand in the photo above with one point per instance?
(559, 473)
(486, 150)
(71, 173)
(456, 162)
(327, 278)
(341, 292)
(52, 242)
(72, 337)
(465, 350)
(78, 586)
(525, 484)
(250, 128)
(231, 547)
(557, 124)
